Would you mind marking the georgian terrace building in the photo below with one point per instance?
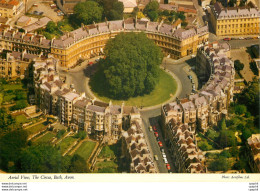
(88, 41)
(200, 110)
(53, 96)
(235, 21)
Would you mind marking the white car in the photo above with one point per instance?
(165, 160)
(164, 155)
(241, 38)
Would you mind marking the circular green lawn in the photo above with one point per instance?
(163, 91)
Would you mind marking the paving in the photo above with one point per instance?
(244, 57)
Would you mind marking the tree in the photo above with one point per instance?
(78, 165)
(227, 138)
(225, 154)
(87, 12)
(250, 97)
(151, 10)
(220, 164)
(131, 67)
(204, 146)
(240, 109)
(238, 65)
(81, 134)
(151, 6)
(254, 68)
(11, 145)
(153, 15)
(51, 27)
(42, 159)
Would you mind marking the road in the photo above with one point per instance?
(180, 68)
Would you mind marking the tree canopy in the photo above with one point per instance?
(42, 159)
(131, 66)
(87, 12)
(151, 10)
(11, 145)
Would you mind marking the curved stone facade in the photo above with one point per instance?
(200, 110)
(90, 40)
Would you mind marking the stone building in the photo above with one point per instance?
(235, 21)
(253, 152)
(98, 119)
(135, 150)
(182, 118)
(15, 64)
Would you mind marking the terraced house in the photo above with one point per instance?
(89, 41)
(235, 21)
(101, 120)
(182, 118)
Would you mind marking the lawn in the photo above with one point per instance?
(13, 86)
(21, 119)
(85, 149)
(35, 129)
(106, 164)
(107, 152)
(66, 143)
(46, 138)
(1, 98)
(165, 88)
(8, 97)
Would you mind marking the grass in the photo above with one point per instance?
(21, 119)
(34, 129)
(46, 138)
(13, 87)
(66, 143)
(165, 88)
(106, 164)
(85, 149)
(1, 98)
(107, 152)
(8, 97)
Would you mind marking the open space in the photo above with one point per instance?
(244, 57)
(86, 149)
(66, 143)
(46, 138)
(35, 129)
(164, 90)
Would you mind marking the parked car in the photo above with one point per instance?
(162, 149)
(227, 39)
(156, 134)
(193, 87)
(190, 77)
(168, 166)
(160, 143)
(241, 38)
(164, 155)
(150, 128)
(165, 160)
(154, 128)
(35, 5)
(158, 139)
(156, 157)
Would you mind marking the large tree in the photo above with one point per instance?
(11, 145)
(87, 12)
(131, 67)
(43, 159)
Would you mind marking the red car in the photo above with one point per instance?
(168, 166)
(160, 143)
(227, 39)
(154, 128)
(156, 134)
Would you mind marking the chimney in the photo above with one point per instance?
(82, 26)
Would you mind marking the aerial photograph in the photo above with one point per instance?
(129, 86)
